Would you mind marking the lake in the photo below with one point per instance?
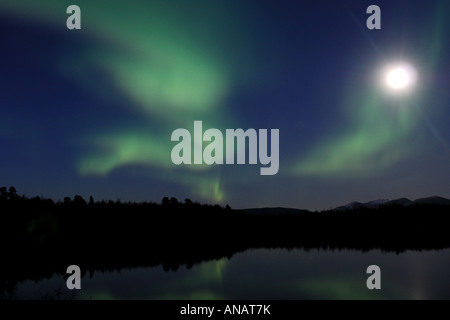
(266, 274)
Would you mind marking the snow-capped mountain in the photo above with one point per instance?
(400, 202)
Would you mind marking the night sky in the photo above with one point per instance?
(91, 111)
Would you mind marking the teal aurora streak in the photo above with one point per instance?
(180, 61)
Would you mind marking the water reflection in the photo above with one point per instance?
(267, 274)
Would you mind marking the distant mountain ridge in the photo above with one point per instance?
(404, 202)
(434, 200)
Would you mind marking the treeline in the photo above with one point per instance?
(10, 196)
(40, 236)
(41, 223)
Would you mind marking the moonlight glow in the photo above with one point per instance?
(400, 77)
(91, 111)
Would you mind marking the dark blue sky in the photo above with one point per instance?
(91, 111)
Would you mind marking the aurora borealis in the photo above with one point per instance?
(91, 111)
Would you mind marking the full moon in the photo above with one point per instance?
(400, 77)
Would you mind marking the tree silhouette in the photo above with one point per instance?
(79, 201)
(173, 201)
(3, 193)
(12, 192)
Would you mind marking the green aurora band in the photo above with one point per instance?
(376, 138)
(173, 62)
(379, 133)
(172, 71)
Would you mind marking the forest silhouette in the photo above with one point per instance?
(41, 237)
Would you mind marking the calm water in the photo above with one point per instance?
(267, 274)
